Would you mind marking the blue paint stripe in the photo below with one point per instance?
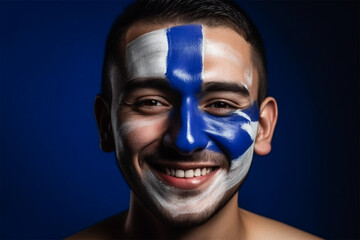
(185, 56)
(184, 68)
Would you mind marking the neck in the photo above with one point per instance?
(225, 224)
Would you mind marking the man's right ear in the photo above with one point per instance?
(103, 119)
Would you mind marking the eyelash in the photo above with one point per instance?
(151, 105)
(225, 108)
(148, 103)
(224, 104)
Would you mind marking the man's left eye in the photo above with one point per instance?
(219, 108)
(220, 105)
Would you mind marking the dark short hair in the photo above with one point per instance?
(211, 13)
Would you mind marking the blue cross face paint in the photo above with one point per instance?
(187, 119)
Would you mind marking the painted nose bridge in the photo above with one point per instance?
(191, 135)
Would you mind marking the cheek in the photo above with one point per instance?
(231, 138)
(238, 142)
(139, 133)
(234, 134)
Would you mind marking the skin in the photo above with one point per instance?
(208, 128)
(117, 131)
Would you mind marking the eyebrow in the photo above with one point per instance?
(157, 83)
(224, 87)
(164, 85)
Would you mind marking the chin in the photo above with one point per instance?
(185, 220)
(189, 216)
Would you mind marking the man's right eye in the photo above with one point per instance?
(149, 102)
(151, 105)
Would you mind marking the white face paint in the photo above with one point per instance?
(146, 55)
(228, 58)
(128, 127)
(150, 121)
(172, 200)
(222, 52)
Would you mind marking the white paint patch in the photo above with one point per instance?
(173, 201)
(248, 75)
(146, 56)
(251, 129)
(242, 114)
(230, 58)
(221, 50)
(128, 127)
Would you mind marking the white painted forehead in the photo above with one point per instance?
(146, 56)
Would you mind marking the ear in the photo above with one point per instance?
(103, 119)
(267, 121)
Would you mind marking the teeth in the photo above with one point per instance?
(187, 173)
(179, 173)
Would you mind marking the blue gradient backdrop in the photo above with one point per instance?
(56, 181)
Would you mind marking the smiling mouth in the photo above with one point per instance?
(190, 173)
(184, 177)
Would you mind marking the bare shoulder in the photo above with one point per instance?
(259, 227)
(110, 228)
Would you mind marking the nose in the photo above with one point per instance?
(188, 135)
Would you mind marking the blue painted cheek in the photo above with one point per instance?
(227, 134)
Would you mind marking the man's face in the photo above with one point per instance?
(186, 120)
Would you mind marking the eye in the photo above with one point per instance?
(220, 105)
(220, 108)
(151, 105)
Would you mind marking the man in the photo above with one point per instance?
(184, 107)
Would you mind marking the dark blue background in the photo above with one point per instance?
(54, 178)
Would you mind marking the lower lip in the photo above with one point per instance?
(185, 183)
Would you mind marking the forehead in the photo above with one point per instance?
(221, 34)
(226, 55)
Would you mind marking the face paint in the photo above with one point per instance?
(146, 56)
(172, 200)
(181, 55)
(184, 68)
(128, 127)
